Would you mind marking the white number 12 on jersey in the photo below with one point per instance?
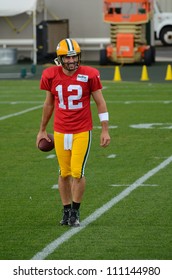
(71, 97)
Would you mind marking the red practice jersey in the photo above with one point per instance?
(72, 97)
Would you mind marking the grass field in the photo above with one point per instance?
(136, 169)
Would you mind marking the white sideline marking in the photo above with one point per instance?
(55, 186)
(152, 125)
(20, 102)
(117, 185)
(139, 102)
(142, 185)
(51, 156)
(92, 102)
(111, 156)
(20, 113)
(110, 126)
(50, 248)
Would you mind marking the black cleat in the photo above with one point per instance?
(74, 218)
(65, 219)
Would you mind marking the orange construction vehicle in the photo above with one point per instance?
(130, 23)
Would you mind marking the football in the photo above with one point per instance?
(46, 146)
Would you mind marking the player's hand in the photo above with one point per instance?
(42, 134)
(104, 139)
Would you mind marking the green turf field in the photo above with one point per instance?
(134, 174)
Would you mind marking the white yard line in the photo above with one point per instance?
(20, 113)
(19, 102)
(142, 185)
(50, 248)
(139, 102)
(108, 101)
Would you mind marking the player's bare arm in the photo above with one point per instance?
(48, 109)
(103, 115)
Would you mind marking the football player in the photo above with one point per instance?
(69, 87)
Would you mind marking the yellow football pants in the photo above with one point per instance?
(72, 157)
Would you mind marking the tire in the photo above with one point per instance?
(103, 57)
(166, 36)
(148, 57)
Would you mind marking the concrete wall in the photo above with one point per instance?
(85, 20)
(166, 5)
(85, 17)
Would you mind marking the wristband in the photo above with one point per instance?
(104, 117)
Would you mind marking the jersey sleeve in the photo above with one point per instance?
(95, 83)
(45, 82)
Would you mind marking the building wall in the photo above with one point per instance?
(85, 17)
(85, 20)
(166, 5)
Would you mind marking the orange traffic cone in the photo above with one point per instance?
(168, 76)
(144, 76)
(117, 75)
